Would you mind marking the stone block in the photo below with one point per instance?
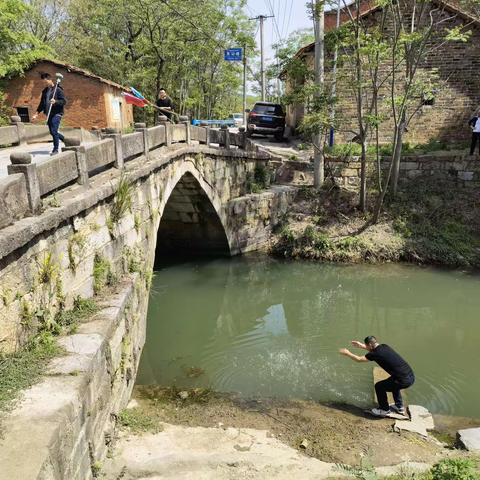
(31, 182)
(132, 145)
(8, 135)
(156, 136)
(408, 166)
(81, 344)
(414, 173)
(20, 158)
(100, 155)
(57, 171)
(179, 133)
(466, 176)
(469, 439)
(13, 199)
(421, 421)
(349, 172)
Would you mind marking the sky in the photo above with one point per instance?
(290, 15)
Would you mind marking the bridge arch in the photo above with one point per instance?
(192, 218)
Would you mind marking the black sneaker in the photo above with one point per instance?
(54, 152)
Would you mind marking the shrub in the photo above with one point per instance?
(455, 469)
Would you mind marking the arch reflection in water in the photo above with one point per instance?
(265, 327)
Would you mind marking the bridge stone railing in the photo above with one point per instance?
(21, 193)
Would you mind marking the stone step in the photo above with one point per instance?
(469, 439)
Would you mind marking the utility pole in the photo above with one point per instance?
(319, 27)
(245, 86)
(331, 140)
(262, 19)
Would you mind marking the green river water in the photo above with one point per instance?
(263, 327)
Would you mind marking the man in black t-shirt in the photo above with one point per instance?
(402, 375)
(165, 103)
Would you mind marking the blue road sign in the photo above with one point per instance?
(233, 54)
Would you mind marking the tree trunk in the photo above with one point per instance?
(397, 154)
(363, 177)
(318, 160)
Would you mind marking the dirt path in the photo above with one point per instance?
(197, 434)
(339, 434)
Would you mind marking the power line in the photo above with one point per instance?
(289, 17)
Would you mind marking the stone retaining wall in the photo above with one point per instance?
(65, 424)
(457, 167)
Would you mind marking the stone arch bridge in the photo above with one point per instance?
(89, 223)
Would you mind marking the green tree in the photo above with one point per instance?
(19, 48)
(152, 44)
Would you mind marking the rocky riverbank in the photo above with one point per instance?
(201, 434)
(427, 223)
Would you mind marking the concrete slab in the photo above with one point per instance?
(421, 421)
(470, 439)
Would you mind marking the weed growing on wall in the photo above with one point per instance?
(122, 202)
(82, 308)
(47, 269)
(137, 222)
(133, 260)
(77, 244)
(103, 274)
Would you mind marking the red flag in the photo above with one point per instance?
(132, 99)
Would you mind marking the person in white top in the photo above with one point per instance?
(475, 125)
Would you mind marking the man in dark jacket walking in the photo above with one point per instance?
(402, 375)
(54, 96)
(475, 125)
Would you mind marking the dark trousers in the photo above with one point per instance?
(392, 385)
(475, 139)
(53, 126)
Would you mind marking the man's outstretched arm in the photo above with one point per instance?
(358, 344)
(349, 354)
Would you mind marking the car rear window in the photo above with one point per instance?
(268, 109)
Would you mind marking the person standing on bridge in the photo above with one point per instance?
(165, 103)
(52, 95)
(401, 374)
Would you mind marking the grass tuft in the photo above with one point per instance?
(20, 370)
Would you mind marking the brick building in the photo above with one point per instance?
(92, 101)
(457, 94)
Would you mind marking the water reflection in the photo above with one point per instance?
(261, 326)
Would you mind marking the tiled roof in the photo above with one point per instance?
(81, 71)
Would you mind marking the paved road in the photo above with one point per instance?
(39, 151)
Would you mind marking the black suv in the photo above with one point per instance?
(266, 118)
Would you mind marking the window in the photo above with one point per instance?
(263, 109)
(23, 114)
